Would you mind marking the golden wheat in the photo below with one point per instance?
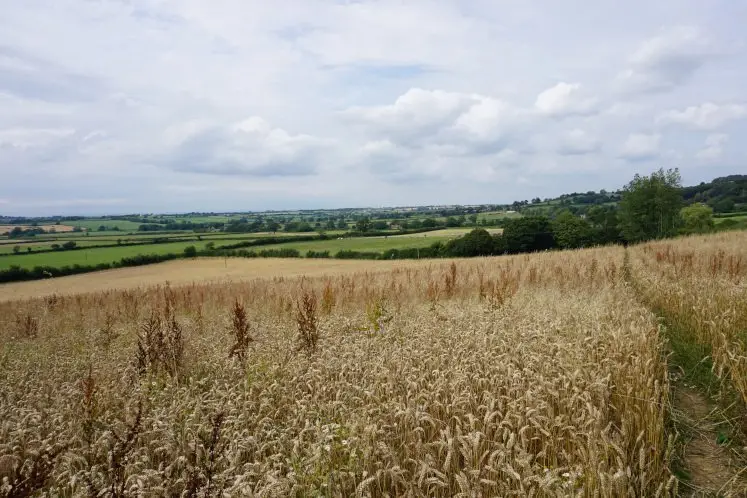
(533, 375)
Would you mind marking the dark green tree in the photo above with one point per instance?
(528, 234)
(190, 251)
(605, 224)
(650, 206)
(363, 225)
(572, 232)
(478, 242)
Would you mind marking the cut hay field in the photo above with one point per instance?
(547, 375)
(47, 228)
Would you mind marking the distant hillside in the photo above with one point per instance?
(725, 195)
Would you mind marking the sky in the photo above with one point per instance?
(138, 106)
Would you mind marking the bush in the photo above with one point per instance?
(347, 254)
(190, 252)
(279, 253)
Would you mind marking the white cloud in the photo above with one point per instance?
(248, 147)
(451, 122)
(351, 96)
(707, 116)
(578, 142)
(667, 60)
(713, 147)
(564, 99)
(24, 138)
(414, 114)
(640, 146)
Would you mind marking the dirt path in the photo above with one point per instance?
(713, 468)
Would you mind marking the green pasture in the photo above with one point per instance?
(93, 256)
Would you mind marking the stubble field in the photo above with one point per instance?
(530, 375)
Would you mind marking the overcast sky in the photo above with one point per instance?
(116, 106)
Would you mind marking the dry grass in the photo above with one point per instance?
(189, 271)
(701, 282)
(699, 285)
(534, 375)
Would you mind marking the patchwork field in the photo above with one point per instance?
(533, 375)
(47, 228)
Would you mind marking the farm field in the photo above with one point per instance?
(57, 228)
(542, 375)
(94, 223)
(93, 256)
(721, 219)
(141, 246)
(446, 233)
(364, 244)
(38, 246)
(196, 271)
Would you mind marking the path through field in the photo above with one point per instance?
(711, 467)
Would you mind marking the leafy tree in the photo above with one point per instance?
(342, 224)
(190, 251)
(363, 225)
(16, 249)
(724, 206)
(528, 234)
(452, 222)
(380, 225)
(571, 232)
(478, 242)
(473, 219)
(650, 206)
(429, 223)
(697, 218)
(605, 224)
(69, 245)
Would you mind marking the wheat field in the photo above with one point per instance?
(530, 375)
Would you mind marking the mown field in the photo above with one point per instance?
(531, 375)
(140, 245)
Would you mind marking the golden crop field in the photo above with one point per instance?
(533, 375)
